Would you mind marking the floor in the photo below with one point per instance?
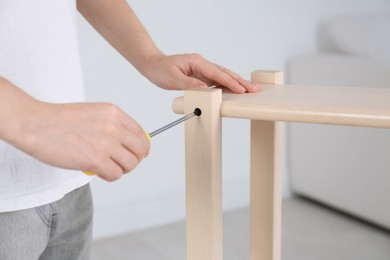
(310, 232)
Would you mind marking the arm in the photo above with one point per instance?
(118, 24)
(15, 113)
(99, 138)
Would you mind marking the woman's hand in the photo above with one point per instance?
(179, 72)
(94, 137)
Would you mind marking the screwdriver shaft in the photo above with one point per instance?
(184, 118)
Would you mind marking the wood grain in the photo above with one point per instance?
(265, 182)
(203, 175)
(369, 107)
(265, 191)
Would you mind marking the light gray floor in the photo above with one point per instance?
(310, 232)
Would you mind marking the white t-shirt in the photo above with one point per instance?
(39, 53)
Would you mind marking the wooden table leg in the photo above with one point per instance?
(265, 182)
(203, 175)
(266, 190)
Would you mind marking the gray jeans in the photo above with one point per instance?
(56, 231)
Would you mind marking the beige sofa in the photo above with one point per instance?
(347, 168)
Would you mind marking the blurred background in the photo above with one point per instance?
(328, 171)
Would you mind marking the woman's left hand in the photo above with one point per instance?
(185, 71)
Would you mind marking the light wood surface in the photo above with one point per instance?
(274, 103)
(265, 181)
(265, 191)
(203, 175)
(268, 76)
(368, 107)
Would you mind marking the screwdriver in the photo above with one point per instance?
(197, 112)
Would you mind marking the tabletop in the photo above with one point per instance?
(369, 107)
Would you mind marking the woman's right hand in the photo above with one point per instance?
(91, 137)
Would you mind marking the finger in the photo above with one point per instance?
(139, 146)
(134, 132)
(187, 82)
(109, 170)
(125, 159)
(251, 87)
(130, 124)
(214, 73)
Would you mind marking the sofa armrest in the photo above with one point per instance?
(344, 167)
(341, 70)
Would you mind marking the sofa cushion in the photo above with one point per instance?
(363, 35)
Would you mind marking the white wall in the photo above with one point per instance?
(241, 35)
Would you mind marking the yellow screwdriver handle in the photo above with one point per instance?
(93, 174)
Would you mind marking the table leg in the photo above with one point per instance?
(266, 190)
(203, 175)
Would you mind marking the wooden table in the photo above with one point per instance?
(275, 103)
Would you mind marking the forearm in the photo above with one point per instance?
(16, 111)
(117, 23)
